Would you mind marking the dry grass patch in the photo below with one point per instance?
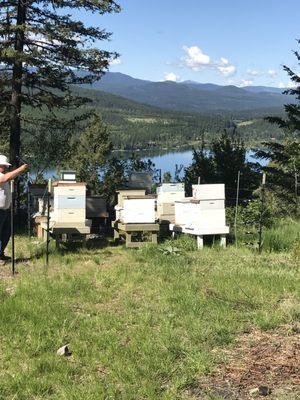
(269, 359)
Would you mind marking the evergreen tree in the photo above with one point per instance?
(89, 154)
(284, 158)
(229, 156)
(43, 50)
(222, 164)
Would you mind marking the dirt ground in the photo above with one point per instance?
(261, 364)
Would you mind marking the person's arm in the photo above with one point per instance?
(8, 176)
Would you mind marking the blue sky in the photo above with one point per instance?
(226, 42)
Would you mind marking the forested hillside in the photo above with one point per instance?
(191, 96)
(136, 125)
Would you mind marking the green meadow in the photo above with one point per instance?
(141, 324)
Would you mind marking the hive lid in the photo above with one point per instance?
(140, 197)
(59, 183)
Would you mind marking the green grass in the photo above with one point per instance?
(141, 324)
(283, 236)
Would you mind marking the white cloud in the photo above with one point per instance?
(225, 68)
(272, 73)
(115, 61)
(228, 70)
(224, 61)
(195, 58)
(253, 72)
(170, 76)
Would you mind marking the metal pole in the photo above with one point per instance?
(28, 206)
(48, 221)
(236, 207)
(261, 216)
(12, 225)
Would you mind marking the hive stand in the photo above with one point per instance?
(200, 233)
(66, 232)
(127, 230)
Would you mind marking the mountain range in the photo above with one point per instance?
(192, 96)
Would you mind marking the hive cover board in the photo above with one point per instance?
(141, 180)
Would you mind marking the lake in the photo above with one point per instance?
(166, 161)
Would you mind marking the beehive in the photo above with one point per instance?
(69, 202)
(138, 210)
(206, 209)
(170, 192)
(167, 194)
(122, 193)
(209, 192)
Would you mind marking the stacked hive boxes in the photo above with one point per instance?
(135, 207)
(122, 194)
(69, 205)
(167, 194)
(204, 211)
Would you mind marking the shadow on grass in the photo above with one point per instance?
(76, 247)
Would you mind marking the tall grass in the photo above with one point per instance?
(283, 236)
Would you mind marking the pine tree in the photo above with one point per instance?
(90, 152)
(284, 158)
(43, 50)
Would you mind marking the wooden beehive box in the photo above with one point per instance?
(122, 193)
(139, 210)
(69, 202)
(167, 194)
(170, 192)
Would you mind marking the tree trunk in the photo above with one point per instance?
(17, 75)
(16, 91)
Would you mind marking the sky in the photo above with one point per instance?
(239, 42)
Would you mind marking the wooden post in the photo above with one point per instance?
(261, 217)
(12, 225)
(236, 207)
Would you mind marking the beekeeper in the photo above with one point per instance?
(5, 202)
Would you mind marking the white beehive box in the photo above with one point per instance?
(192, 213)
(138, 210)
(209, 192)
(204, 213)
(186, 212)
(122, 193)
